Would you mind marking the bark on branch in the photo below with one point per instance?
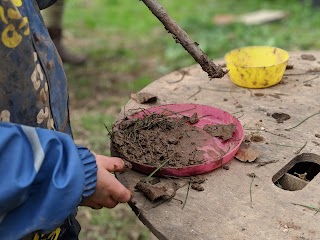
(180, 36)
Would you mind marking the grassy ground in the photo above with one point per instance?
(127, 48)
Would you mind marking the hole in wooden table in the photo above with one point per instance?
(298, 172)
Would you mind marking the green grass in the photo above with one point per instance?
(129, 23)
(125, 42)
(128, 48)
(96, 125)
(121, 229)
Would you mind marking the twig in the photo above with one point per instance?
(180, 36)
(287, 129)
(109, 132)
(311, 79)
(178, 200)
(298, 151)
(241, 111)
(240, 116)
(264, 130)
(162, 201)
(220, 90)
(141, 209)
(253, 176)
(300, 74)
(158, 168)
(183, 73)
(261, 164)
(277, 134)
(185, 200)
(317, 209)
(199, 89)
(283, 145)
(211, 89)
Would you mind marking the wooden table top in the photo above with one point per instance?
(234, 205)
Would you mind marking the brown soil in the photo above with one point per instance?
(159, 139)
(154, 192)
(224, 132)
(164, 140)
(155, 189)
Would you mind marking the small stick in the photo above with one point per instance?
(277, 134)
(240, 116)
(141, 209)
(211, 89)
(183, 73)
(253, 176)
(311, 79)
(299, 74)
(199, 90)
(220, 90)
(157, 169)
(298, 151)
(287, 129)
(241, 111)
(317, 209)
(264, 130)
(163, 201)
(180, 36)
(283, 145)
(261, 164)
(109, 132)
(185, 200)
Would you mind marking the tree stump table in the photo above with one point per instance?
(277, 196)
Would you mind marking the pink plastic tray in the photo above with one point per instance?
(216, 151)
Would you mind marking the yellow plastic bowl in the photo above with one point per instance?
(256, 66)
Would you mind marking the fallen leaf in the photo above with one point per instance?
(144, 97)
(247, 154)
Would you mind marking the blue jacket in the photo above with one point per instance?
(43, 174)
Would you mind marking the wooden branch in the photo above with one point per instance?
(180, 36)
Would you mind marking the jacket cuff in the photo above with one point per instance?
(90, 171)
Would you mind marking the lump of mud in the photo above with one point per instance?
(224, 132)
(157, 139)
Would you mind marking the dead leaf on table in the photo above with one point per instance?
(247, 154)
(144, 97)
(155, 192)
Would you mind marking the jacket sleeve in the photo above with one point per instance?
(43, 178)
